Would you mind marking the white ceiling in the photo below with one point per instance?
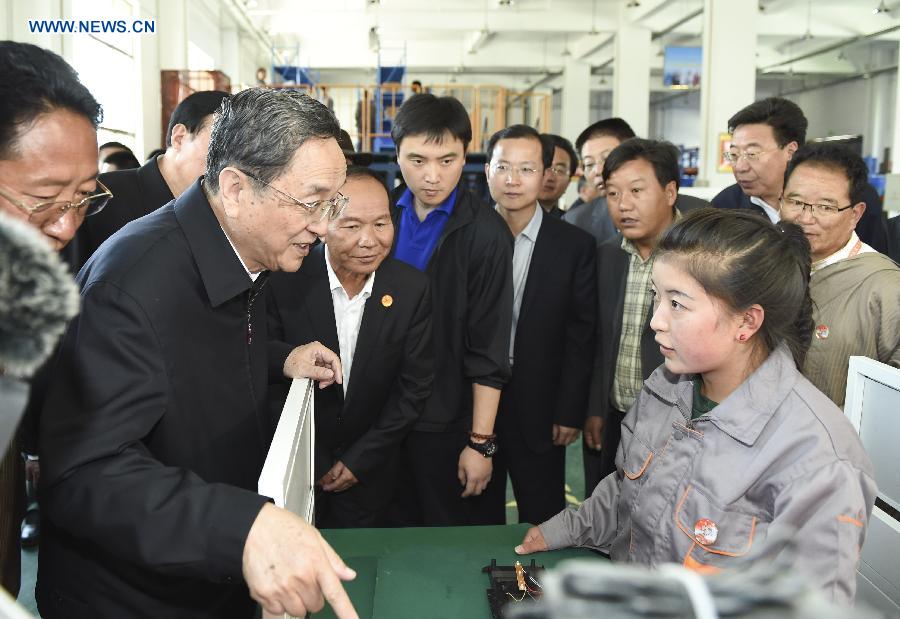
(468, 38)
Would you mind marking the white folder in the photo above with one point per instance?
(287, 475)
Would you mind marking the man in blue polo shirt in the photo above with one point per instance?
(465, 248)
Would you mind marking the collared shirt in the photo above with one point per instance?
(416, 240)
(523, 248)
(348, 315)
(628, 378)
(847, 251)
(253, 276)
(773, 213)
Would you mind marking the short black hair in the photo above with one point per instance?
(358, 171)
(522, 132)
(114, 145)
(615, 127)
(785, 117)
(663, 156)
(34, 81)
(123, 160)
(193, 109)
(432, 116)
(559, 141)
(836, 157)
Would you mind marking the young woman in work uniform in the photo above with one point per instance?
(728, 443)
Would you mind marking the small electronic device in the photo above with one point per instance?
(512, 584)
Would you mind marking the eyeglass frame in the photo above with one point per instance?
(64, 206)
(521, 171)
(310, 208)
(560, 170)
(815, 209)
(749, 157)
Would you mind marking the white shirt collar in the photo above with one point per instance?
(534, 225)
(843, 253)
(773, 213)
(253, 276)
(335, 284)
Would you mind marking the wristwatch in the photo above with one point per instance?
(486, 449)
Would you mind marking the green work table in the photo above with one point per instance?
(429, 573)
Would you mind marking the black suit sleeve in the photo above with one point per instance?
(278, 348)
(411, 388)
(101, 483)
(489, 319)
(580, 333)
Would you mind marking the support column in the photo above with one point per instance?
(576, 98)
(230, 44)
(173, 34)
(728, 82)
(20, 12)
(576, 108)
(147, 55)
(631, 77)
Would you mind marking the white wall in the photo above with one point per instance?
(864, 106)
(677, 120)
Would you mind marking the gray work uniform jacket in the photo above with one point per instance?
(776, 457)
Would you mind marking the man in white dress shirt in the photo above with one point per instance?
(542, 408)
(377, 312)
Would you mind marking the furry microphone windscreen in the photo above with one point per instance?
(37, 298)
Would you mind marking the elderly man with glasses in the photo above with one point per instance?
(855, 290)
(156, 426)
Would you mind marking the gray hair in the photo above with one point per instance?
(258, 130)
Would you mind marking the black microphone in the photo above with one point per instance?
(37, 299)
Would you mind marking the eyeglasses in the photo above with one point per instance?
(560, 170)
(523, 171)
(797, 207)
(52, 211)
(318, 210)
(752, 156)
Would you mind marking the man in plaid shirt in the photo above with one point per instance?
(641, 181)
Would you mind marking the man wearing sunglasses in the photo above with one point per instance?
(48, 178)
(156, 427)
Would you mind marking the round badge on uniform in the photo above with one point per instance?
(387, 300)
(821, 331)
(705, 531)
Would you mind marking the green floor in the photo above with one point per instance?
(574, 492)
(574, 482)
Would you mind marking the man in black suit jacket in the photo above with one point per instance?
(641, 179)
(140, 191)
(765, 135)
(543, 406)
(377, 311)
(48, 147)
(156, 426)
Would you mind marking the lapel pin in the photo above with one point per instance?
(822, 332)
(387, 300)
(705, 531)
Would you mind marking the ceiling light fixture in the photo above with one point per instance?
(881, 8)
(632, 4)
